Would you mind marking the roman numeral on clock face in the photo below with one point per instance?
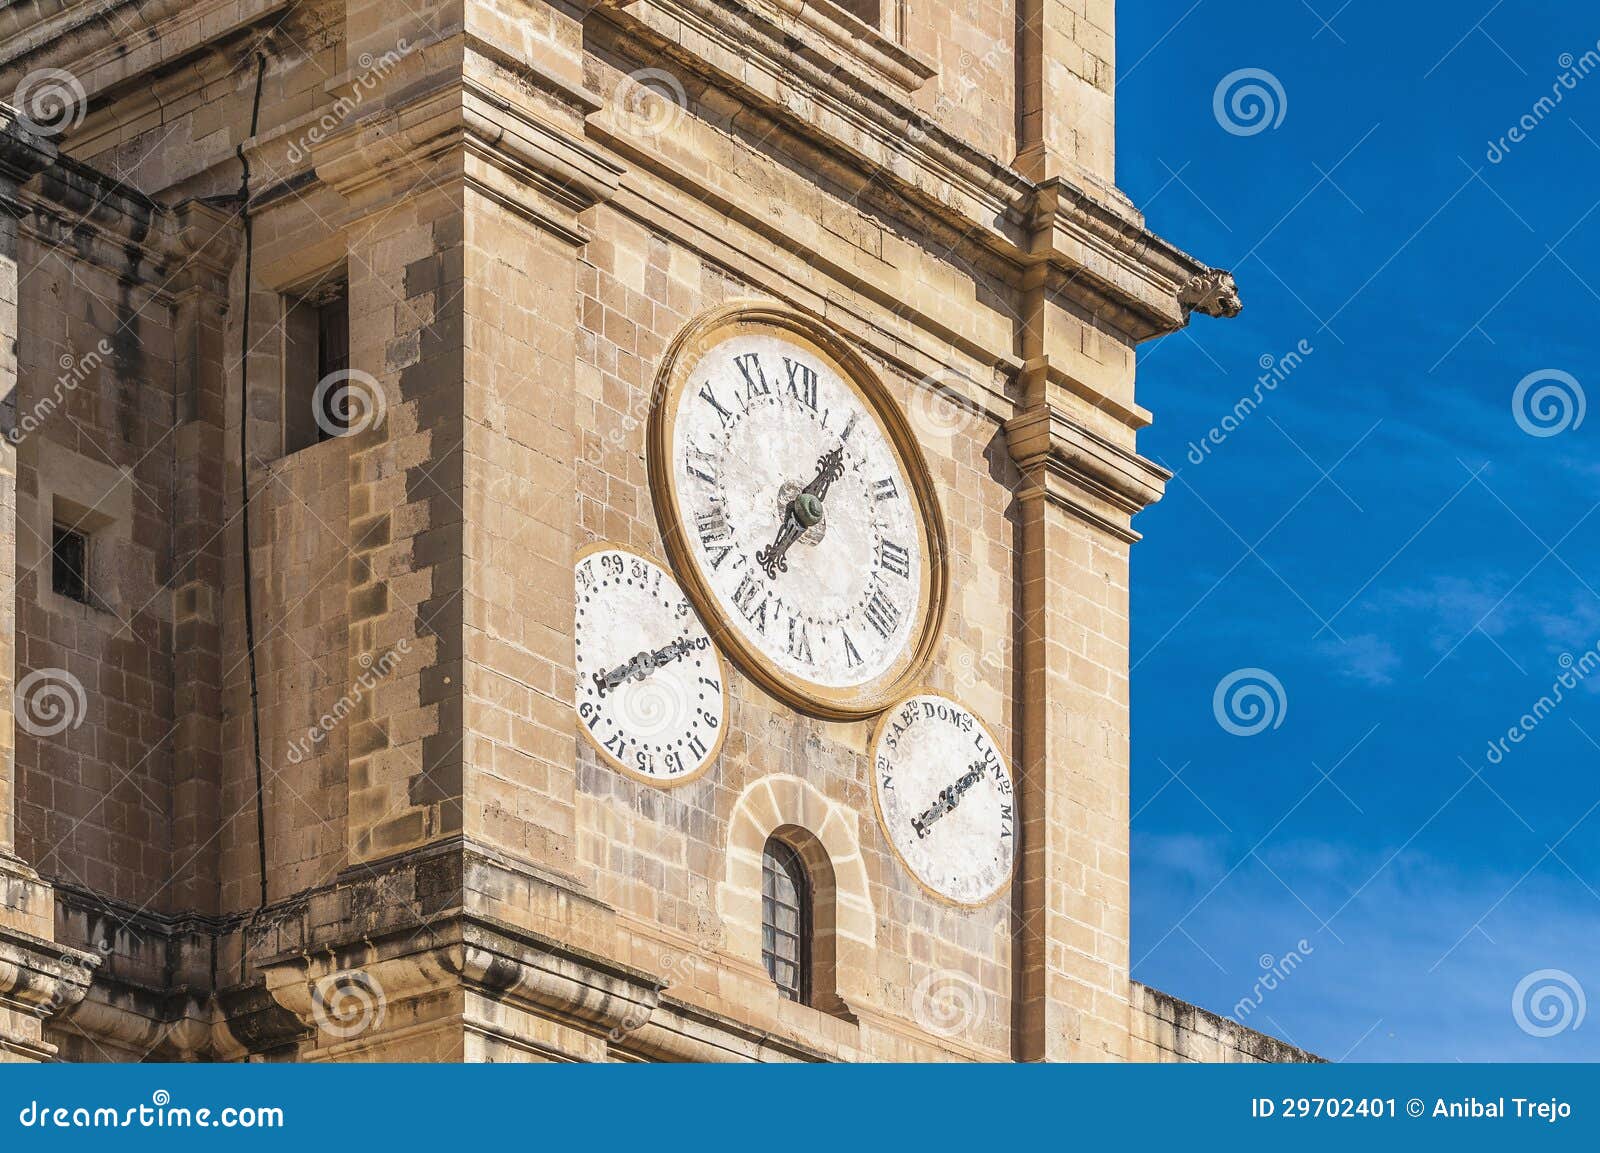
(710, 398)
(885, 489)
(799, 640)
(894, 558)
(715, 535)
(701, 465)
(755, 381)
(882, 613)
(802, 382)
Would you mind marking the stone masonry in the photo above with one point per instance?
(296, 774)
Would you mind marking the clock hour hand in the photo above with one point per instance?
(804, 511)
(947, 800)
(643, 664)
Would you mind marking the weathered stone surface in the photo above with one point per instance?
(319, 792)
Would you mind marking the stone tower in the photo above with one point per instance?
(294, 771)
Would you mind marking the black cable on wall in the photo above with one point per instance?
(244, 480)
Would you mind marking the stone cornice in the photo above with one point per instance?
(40, 977)
(1082, 472)
(24, 153)
(1097, 248)
(476, 132)
(91, 38)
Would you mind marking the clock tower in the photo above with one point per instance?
(571, 532)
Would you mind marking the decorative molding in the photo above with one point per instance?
(461, 123)
(1082, 472)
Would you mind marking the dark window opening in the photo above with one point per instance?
(786, 921)
(333, 356)
(69, 564)
(867, 11)
(316, 363)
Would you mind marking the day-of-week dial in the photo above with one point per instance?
(945, 799)
(650, 684)
(798, 511)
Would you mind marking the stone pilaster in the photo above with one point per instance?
(207, 242)
(38, 978)
(1066, 91)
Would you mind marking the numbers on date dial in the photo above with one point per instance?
(650, 685)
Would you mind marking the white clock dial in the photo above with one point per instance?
(802, 518)
(650, 690)
(944, 797)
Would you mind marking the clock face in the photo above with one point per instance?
(944, 796)
(650, 690)
(798, 508)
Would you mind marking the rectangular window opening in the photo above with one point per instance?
(69, 564)
(316, 360)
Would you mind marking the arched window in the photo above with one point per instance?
(786, 920)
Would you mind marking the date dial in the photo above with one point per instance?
(651, 691)
(945, 799)
(799, 512)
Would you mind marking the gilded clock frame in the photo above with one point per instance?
(699, 337)
(883, 822)
(604, 753)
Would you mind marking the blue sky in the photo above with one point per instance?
(1381, 533)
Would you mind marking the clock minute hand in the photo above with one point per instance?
(947, 800)
(802, 512)
(643, 664)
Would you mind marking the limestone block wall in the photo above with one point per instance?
(1166, 1029)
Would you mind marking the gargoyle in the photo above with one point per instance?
(1212, 293)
